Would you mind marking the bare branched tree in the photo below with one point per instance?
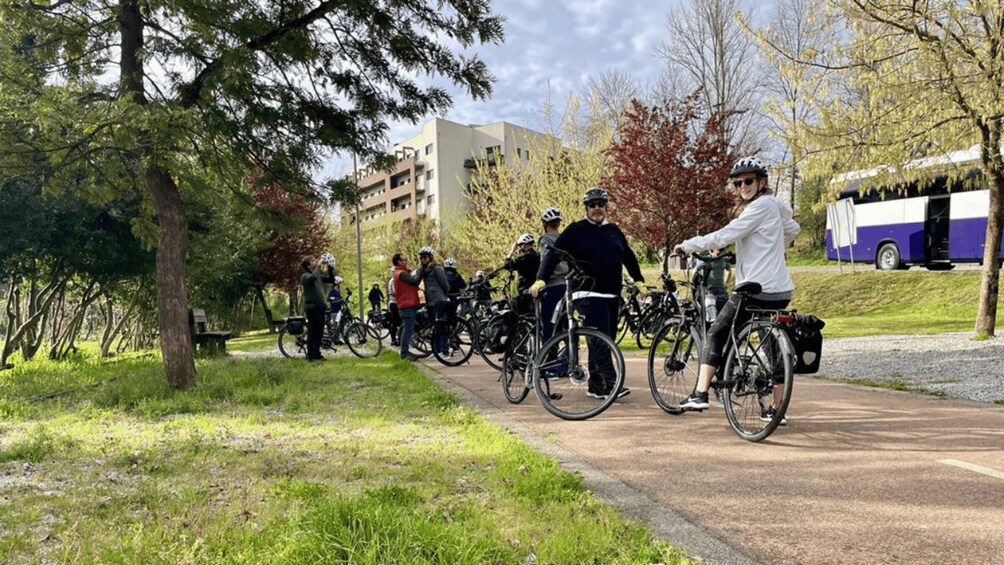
(707, 49)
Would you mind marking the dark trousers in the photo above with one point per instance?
(394, 322)
(548, 302)
(315, 330)
(600, 314)
(718, 335)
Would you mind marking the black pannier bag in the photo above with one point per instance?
(808, 341)
(296, 324)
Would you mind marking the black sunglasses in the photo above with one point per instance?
(747, 182)
(596, 204)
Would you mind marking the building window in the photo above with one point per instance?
(526, 154)
(428, 149)
(519, 152)
(429, 174)
(432, 200)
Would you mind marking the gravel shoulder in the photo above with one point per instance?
(952, 364)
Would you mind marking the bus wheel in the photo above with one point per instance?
(888, 257)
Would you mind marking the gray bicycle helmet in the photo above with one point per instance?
(595, 193)
(525, 238)
(552, 214)
(748, 165)
(426, 251)
(450, 263)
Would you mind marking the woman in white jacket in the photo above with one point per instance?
(762, 229)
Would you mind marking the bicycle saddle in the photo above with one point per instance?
(748, 289)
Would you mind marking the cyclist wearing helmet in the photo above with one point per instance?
(456, 282)
(555, 289)
(482, 289)
(603, 252)
(437, 292)
(761, 230)
(525, 262)
(336, 313)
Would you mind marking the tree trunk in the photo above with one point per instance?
(12, 307)
(172, 293)
(113, 329)
(986, 314)
(264, 306)
(172, 246)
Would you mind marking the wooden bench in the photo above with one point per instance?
(206, 343)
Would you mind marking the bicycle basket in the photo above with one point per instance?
(295, 325)
(808, 341)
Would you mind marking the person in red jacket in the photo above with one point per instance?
(406, 295)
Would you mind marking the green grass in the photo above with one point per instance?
(281, 461)
(255, 341)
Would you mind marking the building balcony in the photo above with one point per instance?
(490, 160)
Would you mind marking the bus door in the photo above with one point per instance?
(936, 229)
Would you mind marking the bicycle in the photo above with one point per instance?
(493, 332)
(459, 342)
(674, 355)
(644, 319)
(759, 356)
(362, 340)
(563, 368)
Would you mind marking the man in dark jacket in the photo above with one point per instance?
(601, 249)
(315, 272)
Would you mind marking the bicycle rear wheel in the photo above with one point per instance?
(649, 324)
(567, 378)
(362, 339)
(673, 362)
(761, 361)
(421, 342)
(515, 364)
(460, 344)
(292, 346)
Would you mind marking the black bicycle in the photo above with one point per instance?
(361, 339)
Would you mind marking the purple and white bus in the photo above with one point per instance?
(903, 225)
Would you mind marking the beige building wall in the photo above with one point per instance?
(433, 170)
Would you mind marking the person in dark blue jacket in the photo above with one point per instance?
(602, 250)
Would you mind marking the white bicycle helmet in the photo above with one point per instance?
(479, 274)
(328, 258)
(552, 214)
(748, 165)
(450, 263)
(338, 280)
(525, 238)
(426, 251)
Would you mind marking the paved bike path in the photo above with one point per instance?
(860, 475)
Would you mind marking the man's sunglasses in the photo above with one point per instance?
(747, 182)
(596, 204)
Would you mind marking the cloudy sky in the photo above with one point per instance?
(556, 42)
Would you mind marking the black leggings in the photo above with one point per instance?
(718, 335)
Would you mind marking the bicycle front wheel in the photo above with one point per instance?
(491, 341)
(759, 375)
(292, 346)
(673, 362)
(460, 344)
(362, 339)
(578, 373)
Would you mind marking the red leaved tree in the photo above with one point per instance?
(298, 228)
(668, 173)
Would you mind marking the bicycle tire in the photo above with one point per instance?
(649, 324)
(362, 339)
(484, 339)
(515, 364)
(379, 323)
(762, 354)
(623, 325)
(568, 395)
(673, 364)
(460, 343)
(292, 346)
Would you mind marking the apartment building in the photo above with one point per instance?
(433, 169)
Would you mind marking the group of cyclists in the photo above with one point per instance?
(761, 228)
